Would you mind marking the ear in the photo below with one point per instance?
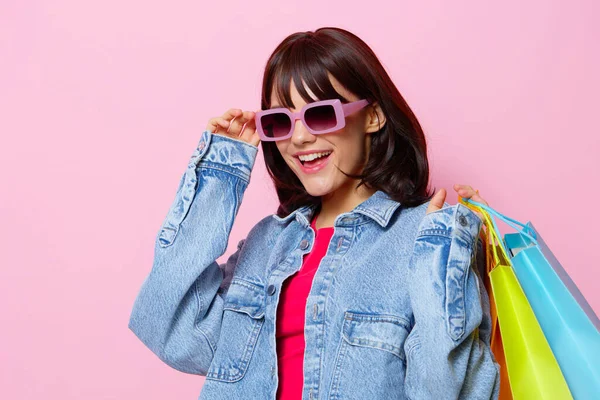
(375, 118)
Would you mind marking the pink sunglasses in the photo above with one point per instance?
(319, 117)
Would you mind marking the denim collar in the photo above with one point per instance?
(379, 207)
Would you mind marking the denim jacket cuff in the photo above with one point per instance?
(229, 154)
(218, 152)
(463, 222)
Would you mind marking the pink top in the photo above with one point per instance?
(290, 318)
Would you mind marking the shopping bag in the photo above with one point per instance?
(496, 336)
(516, 245)
(568, 322)
(532, 369)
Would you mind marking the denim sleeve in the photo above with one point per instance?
(178, 310)
(448, 349)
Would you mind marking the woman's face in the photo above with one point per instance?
(349, 147)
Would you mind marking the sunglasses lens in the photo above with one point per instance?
(320, 118)
(276, 125)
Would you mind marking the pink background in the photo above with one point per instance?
(102, 103)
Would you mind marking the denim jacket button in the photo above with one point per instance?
(271, 290)
(463, 220)
(304, 244)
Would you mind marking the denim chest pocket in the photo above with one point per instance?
(243, 317)
(370, 356)
(384, 332)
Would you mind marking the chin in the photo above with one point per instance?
(318, 190)
(316, 193)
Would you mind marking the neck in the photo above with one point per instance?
(343, 200)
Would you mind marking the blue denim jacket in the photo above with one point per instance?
(397, 308)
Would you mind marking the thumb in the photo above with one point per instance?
(437, 201)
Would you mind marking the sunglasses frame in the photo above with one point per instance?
(341, 111)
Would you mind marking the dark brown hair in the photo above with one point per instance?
(397, 162)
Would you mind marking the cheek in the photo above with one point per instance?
(354, 148)
(282, 147)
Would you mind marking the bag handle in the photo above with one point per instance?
(493, 235)
(513, 223)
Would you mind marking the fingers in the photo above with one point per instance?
(217, 124)
(468, 192)
(237, 124)
(249, 133)
(224, 121)
(437, 201)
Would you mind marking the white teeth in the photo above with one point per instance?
(310, 157)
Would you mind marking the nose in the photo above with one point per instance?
(301, 135)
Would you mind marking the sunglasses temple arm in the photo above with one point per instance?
(350, 108)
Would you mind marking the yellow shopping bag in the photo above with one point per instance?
(519, 345)
(496, 337)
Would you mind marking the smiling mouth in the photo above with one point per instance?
(316, 162)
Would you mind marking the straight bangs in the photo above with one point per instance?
(303, 63)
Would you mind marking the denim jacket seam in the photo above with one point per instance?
(435, 232)
(449, 296)
(352, 318)
(212, 346)
(412, 354)
(239, 194)
(468, 243)
(209, 140)
(228, 169)
(236, 140)
(247, 284)
(453, 228)
(196, 326)
(370, 214)
(413, 345)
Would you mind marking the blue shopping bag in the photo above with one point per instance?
(516, 242)
(571, 327)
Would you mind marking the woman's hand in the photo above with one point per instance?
(236, 124)
(465, 191)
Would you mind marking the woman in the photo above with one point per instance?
(362, 286)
